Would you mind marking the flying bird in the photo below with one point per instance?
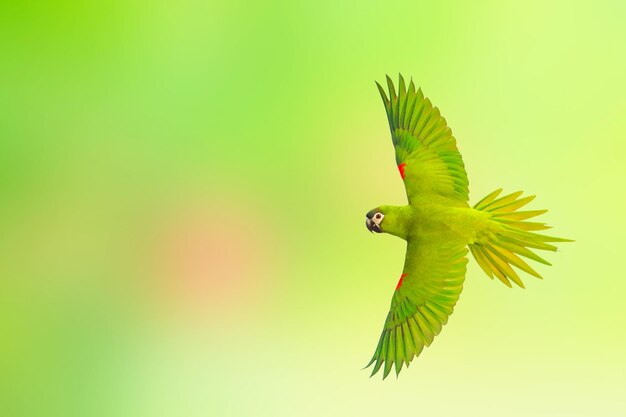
(439, 226)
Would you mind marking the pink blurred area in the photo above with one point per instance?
(209, 255)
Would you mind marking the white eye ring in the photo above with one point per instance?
(378, 216)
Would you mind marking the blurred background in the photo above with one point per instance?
(182, 192)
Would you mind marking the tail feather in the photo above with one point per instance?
(511, 237)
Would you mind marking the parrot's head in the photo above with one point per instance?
(373, 220)
(389, 219)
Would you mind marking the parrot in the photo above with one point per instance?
(440, 229)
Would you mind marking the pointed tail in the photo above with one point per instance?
(510, 237)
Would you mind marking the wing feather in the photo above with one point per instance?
(424, 143)
(433, 277)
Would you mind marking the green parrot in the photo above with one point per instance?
(439, 226)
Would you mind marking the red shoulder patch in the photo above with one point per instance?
(400, 282)
(401, 169)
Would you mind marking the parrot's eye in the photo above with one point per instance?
(378, 216)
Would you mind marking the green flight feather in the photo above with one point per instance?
(423, 302)
(424, 143)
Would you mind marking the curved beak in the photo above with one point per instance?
(371, 226)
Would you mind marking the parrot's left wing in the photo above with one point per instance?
(428, 289)
(426, 152)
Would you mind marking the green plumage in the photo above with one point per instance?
(440, 227)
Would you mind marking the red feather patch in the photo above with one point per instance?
(400, 282)
(401, 169)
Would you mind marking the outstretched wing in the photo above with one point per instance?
(426, 152)
(428, 289)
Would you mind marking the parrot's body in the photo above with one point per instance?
(439, 226)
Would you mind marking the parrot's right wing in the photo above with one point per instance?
(426, 152)
(428, 289)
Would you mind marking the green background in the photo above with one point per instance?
(182, 192)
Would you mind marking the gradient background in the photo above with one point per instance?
(182, 192)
